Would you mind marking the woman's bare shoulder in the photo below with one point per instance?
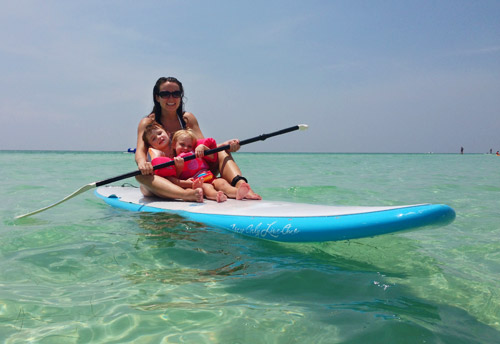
(192, 123)
(146, 120)
(189, 116)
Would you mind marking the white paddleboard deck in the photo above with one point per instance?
(286, 221)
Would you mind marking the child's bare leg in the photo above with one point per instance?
(211, 193)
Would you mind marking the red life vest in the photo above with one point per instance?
(191, 167)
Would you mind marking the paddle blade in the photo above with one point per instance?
(76, 193)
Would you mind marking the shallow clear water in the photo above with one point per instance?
(84, 272)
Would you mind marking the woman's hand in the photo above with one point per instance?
(234, 145)
(145, 167)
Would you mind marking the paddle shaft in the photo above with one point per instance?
(261, 137)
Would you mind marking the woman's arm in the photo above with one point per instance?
(192, 123)
(141, 151)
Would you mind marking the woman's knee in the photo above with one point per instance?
(145, 191)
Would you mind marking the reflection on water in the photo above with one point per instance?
(88, 273)
(174, 239)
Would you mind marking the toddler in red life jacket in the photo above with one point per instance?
(160, 150)
(184, 143)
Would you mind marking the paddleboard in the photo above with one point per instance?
(286, 221)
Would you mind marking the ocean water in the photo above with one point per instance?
(84, 272)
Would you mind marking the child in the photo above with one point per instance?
(160, 151)
(184, 143)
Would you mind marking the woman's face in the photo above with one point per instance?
(169, 96)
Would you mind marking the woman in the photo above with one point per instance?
(168, 110)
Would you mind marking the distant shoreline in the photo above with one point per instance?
(352, 153)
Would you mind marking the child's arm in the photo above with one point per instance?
(179, 165)
(200, 150)
(204, 144)
(185, 184)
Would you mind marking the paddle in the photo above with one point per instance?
(138, 172)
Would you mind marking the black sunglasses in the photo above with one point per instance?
(166, 94)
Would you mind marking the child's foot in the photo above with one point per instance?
(198, 195)
(221, 197)
(242, 191)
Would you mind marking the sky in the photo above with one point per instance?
(380, 76)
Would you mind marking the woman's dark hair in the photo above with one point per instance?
(157, 108)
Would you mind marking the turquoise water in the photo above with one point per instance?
(84, 272)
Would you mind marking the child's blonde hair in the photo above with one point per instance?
(184, 133)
